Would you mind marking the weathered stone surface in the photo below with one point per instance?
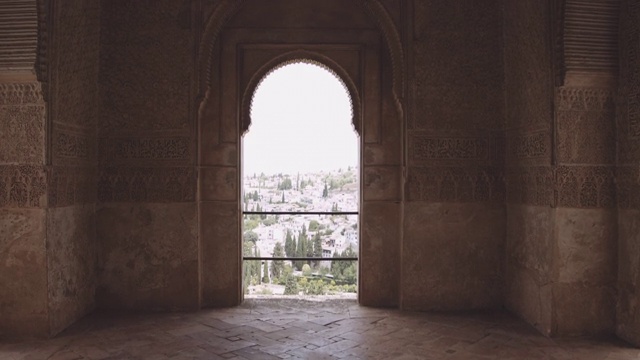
(530, 263)
(586, 246)
(219, 183)
(582, 309)
(452, 256)
(23, 273)
(221, 246)
(148, 256)
(381, 183)
(628, 309)
(584, 297)
(71, 263)
(379, 280)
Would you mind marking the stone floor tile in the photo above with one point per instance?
(283, 329)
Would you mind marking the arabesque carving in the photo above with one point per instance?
(23, 186)
(455, 184)
(175, 184)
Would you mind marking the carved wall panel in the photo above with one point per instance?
(528, 74)
(585, 126)
(427, 148)
(22, 137)
(586, 186)
(145, 51)
(23, 186)
(457, 73)
(138, 184)
(166, 151)
(528, 148)
(455, 184)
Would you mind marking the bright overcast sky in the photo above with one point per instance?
(300, 122)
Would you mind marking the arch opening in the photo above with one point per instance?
(300, 184)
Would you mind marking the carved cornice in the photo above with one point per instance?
(19, 20)
(227, 8)
(589, 40)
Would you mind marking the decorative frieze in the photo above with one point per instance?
(585, 186)
(584, 99)
(73, 146)
(529, 146)
(458, 185)
(423, 148)
(132, 149)
(175, 184)
(23, 186)
(21, 93)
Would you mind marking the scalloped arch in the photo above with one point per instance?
(295, 57)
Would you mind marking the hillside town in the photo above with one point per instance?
(300, 235)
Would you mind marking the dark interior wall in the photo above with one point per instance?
(530, 180)
(23, 191)
(628, 174)
(454, 214)
(73, 114)
(146, 218)
(561, 228)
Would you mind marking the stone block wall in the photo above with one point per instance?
(454, 214)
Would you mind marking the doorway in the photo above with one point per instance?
(300, 186)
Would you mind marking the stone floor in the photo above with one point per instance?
(302, 329)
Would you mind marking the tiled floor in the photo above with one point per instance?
(298, 329)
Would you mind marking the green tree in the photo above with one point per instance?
(313, 225)
(265, 272)
(306, 270)
(250, 236)
(301, 248)
(290, 285)
(317, 247)
(277, 266)
(325, 191)
(282, 197)
(285, 184)
(289, 245)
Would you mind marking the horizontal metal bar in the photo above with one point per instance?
(300, 213)
(300, 258)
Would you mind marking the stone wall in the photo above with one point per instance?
(23, 201)
(73, 106)
(628, 175)
(560, 220)
(146, 219)
(454, 214)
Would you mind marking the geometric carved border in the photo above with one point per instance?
(455, 184)
(175, 184)
(162, 149)
(586, 186)
(427, 148)
(23, 186)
